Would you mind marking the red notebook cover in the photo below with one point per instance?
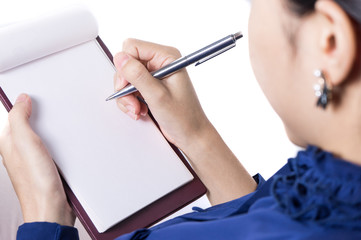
(145, 217)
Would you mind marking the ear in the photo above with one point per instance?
(337, 40)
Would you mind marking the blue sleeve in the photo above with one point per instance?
(45, 230)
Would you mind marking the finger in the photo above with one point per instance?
(21, 132)
(154, 55)
(143, 109)
(128, 104)
(143, 105)
(136, 73)
(5, 141)
(119, 82)
(20, 113)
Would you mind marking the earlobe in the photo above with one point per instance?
(338, 41)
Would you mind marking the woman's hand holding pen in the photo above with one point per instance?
(175, 106)
(173, 101)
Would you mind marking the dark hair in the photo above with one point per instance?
(304, 7)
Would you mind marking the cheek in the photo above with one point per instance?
(267, 54)
(275, 68)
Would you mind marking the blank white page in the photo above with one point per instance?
(113, 164)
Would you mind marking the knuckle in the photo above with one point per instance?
(175, 52)
(136, 72)
(127, 43)
(171, 54)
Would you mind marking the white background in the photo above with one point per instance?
(225, 85)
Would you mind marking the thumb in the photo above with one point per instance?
(137, 74)
(19, 118)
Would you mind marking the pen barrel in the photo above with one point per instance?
(207, 52)
(213, 49)
(170, 68)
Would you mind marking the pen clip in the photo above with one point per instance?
(215, 54)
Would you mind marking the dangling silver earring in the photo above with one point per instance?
(323, 92)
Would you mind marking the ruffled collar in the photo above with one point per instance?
(321, 188)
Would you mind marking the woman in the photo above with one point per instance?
(316, 195)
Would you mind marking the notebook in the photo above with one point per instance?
(119, 174)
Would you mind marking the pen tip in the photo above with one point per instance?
(238, 35)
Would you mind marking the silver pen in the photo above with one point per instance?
(199, 56)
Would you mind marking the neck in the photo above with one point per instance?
(348, 152)
(344, 138)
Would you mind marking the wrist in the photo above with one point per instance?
(218, 168)
(200, 141)
(64, 215)
(49, 210)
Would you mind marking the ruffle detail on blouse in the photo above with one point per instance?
(321, 188)
(140, 234)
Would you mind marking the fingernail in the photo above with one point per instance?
(130, 108)
(144, 112)
(120, 61)
(21, 98)
(132, 115)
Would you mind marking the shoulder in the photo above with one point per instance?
(333, 235)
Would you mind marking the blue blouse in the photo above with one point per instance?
(314, 196)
